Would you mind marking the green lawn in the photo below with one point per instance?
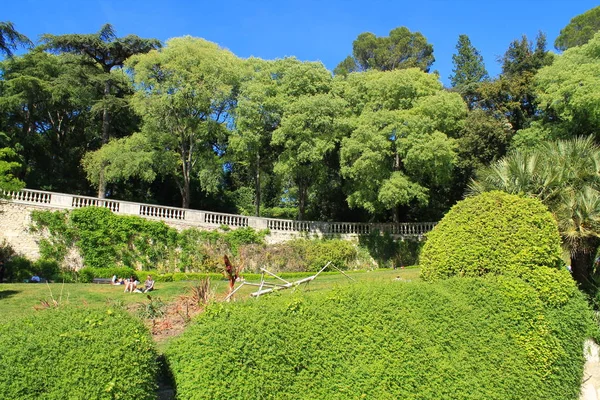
(17, 299)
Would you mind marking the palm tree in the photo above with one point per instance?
(10, 39)
(565, 176)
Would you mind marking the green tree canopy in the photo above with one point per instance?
(401, 49)
(468, 64)
(469, 70)
(579, 30)
(9, 167)
(10, 39)
(400, 144)
(185, 96)
(512, 96)
(107, 51)
(47, 101)
(569, 91)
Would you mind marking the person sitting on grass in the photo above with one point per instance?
(130, 284)
(149, 284)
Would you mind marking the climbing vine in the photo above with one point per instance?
(106, 240)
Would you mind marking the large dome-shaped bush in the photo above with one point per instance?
(493, 232)
(462, 338)
(77, 354)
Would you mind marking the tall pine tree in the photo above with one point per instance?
(469, 70)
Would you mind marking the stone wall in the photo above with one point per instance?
(15, 221)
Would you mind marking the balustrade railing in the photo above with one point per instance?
(67, 201)
(162, 212)
(79, 202)
(29, 196)
(287, 225)
(225, 219)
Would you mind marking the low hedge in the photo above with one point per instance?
(462, 338)
(195, 276)
(77, 354)
(87, 275)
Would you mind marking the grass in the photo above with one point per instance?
(18, 299)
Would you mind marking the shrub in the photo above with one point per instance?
(77, 354)
(87, 275)
(303, 255)
(19, 269)
(492, 233)
(388, 252)
(468, 338)
(47, 269)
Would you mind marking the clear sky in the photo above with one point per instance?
(309, 29)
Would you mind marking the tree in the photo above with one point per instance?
(310, 130)
(482, 140)
(569, 92)
(564, 176)
(185, 98)
(9, 168)
(513, 94)
(469, 70)
(468, 64)
(399, 146)
(108, 52)
(258, 112)
(522, 56)
(579, 30)
(46, 101)
(401, 49)
(10, 39)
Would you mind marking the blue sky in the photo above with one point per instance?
(310, 30)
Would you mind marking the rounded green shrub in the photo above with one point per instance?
(492, 233)
(467, 338)
(77, 354)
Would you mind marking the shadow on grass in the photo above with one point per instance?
(7, 293)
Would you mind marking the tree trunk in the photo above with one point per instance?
(396, 214)
(185, 193)
(105, 138)
(302, 200)
(257, 186)
(581, 266)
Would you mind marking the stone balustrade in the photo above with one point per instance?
(215, 219)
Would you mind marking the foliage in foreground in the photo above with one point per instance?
(493, 233)
(77, 354)
(469, 338)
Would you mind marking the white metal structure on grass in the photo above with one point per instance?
(265, 287)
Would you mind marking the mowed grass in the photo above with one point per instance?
(18, 299)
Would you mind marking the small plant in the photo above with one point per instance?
(52, 302)
(200, 293)
(153, 309)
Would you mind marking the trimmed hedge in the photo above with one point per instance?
(468, 338)
(492, 233)
(77, 354)
(87, 275)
